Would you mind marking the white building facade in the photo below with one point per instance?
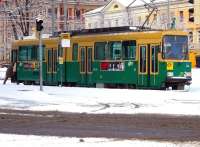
(134, 13)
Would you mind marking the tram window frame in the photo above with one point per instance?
(75, 52)
(114, 51)
(100, 53)
(129, 52)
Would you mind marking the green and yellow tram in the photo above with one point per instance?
(107, 58)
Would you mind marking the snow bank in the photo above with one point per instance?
(8, 140)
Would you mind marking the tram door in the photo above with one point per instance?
(86, 64)
(51, 66)
(148, 65)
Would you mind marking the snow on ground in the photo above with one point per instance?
(8, 140)
(97, 100)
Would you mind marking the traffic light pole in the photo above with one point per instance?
(40, 56)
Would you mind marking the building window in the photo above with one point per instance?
(116, 6)
(77, 12)
(190, 37)
(181, 16)
(155, 17)
(96, 25)
(147, 18)
(116, 22)
(49, 12)
(191, 15)
(70, 13)
(61, 11)
(139, 20)
(109, 23)
(89, 25)
(199, 35)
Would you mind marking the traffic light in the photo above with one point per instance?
(39, 26)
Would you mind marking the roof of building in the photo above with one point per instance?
(96, 10)
(125, 3)
(133, 3)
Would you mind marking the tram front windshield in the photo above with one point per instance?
(175, 47)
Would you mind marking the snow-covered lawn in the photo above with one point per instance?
(96, 100)
(8, 140)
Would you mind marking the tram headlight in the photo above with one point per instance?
(170, 74)
(188, 74)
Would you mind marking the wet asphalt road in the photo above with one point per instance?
(137, 126)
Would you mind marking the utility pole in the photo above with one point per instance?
(65, 15)
(53, 16)
(168, 14)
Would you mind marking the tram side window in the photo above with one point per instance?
(29, 50)
(154, 57)
(22, 54)
(34, 54)
(99, 50)
(28, 53)
(143, 61)
(60, 51)
(75, 52)
(129, 50)
(43, 52)
(115, 50)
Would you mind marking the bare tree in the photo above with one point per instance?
(21, 15)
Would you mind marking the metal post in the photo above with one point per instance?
(53, 16)
(168, 14)
(40, 56)
(65, 15)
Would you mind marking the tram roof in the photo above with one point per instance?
(111, 30)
